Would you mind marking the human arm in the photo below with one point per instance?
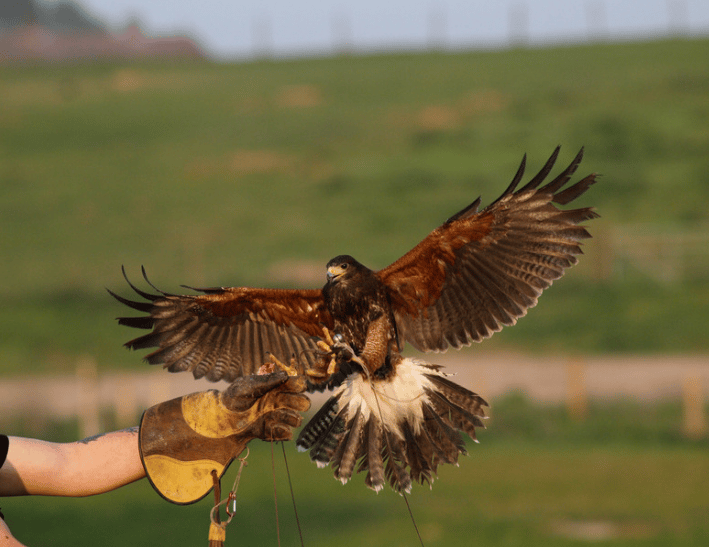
(82, 468)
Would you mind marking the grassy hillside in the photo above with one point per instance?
(258, 173)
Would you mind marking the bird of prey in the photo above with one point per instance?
(395, 417)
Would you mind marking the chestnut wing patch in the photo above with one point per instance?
(225, 333)
(482, 270)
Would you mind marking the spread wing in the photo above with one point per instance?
(482, 270)
(225, 333)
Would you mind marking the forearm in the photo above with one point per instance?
(91, 466)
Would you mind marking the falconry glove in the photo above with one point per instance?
(183, 440)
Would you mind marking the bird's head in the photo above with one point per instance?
(342, 267)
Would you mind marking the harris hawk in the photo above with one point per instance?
(395, 417)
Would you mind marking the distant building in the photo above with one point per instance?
(63, 31)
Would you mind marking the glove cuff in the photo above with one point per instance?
(179, 452)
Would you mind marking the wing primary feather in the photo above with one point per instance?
(150, 340)
(205, 290)
(137, 322)
(226, 366)
(492, 296)
(169, 335)
(178, 356)
(565, 175)
(544, 171)
(515, 181)
(140, 306)
(507, 294)
(145, 276)
(468, 211)
(215, 343)
(518, 176)
(144, 294)
(572, 192)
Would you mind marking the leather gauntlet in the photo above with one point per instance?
(181, 441)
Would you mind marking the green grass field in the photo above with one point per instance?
(625, 476)
(505, 495)
(258, 173)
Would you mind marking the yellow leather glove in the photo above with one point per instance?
(183, 440)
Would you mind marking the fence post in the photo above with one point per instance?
(576, 398)
(695, 424)
(125, 402)
(159, 388)
(87, 397)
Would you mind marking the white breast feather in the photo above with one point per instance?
(399, 399)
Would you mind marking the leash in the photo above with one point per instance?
(217, 528)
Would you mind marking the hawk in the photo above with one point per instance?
(395, 417)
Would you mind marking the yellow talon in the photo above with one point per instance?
(291, 370)
(316, 374)
(324, 369)
(328, 338)
(323, 346)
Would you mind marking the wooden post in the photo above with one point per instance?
(437, 27)
(87, 399)
(576, 398)
(695, 423)
(125, 402)
(342, 43)
(262, 37)
(159, 388)
(518, 16)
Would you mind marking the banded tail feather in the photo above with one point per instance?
(398, 432)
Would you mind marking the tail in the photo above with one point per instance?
(398, 429)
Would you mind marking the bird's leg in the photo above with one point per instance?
(327, 366)
(291, 370)
(345, 352)
(334, 351)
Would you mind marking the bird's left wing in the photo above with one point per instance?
(482, 270)
(225, 333)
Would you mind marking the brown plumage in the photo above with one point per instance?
(474, 274)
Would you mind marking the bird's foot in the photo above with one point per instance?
(290, 370)
(327, 366)
(344, 351)
(341, 350)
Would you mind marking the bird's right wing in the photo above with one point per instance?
(225, 333)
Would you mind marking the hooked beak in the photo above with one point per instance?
(333, 272)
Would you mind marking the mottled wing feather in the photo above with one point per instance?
(482, 270)
(226, 333)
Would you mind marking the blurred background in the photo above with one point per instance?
(247, 144)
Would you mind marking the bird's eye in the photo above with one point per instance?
(343, 265)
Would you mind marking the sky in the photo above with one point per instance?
(233, 28)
